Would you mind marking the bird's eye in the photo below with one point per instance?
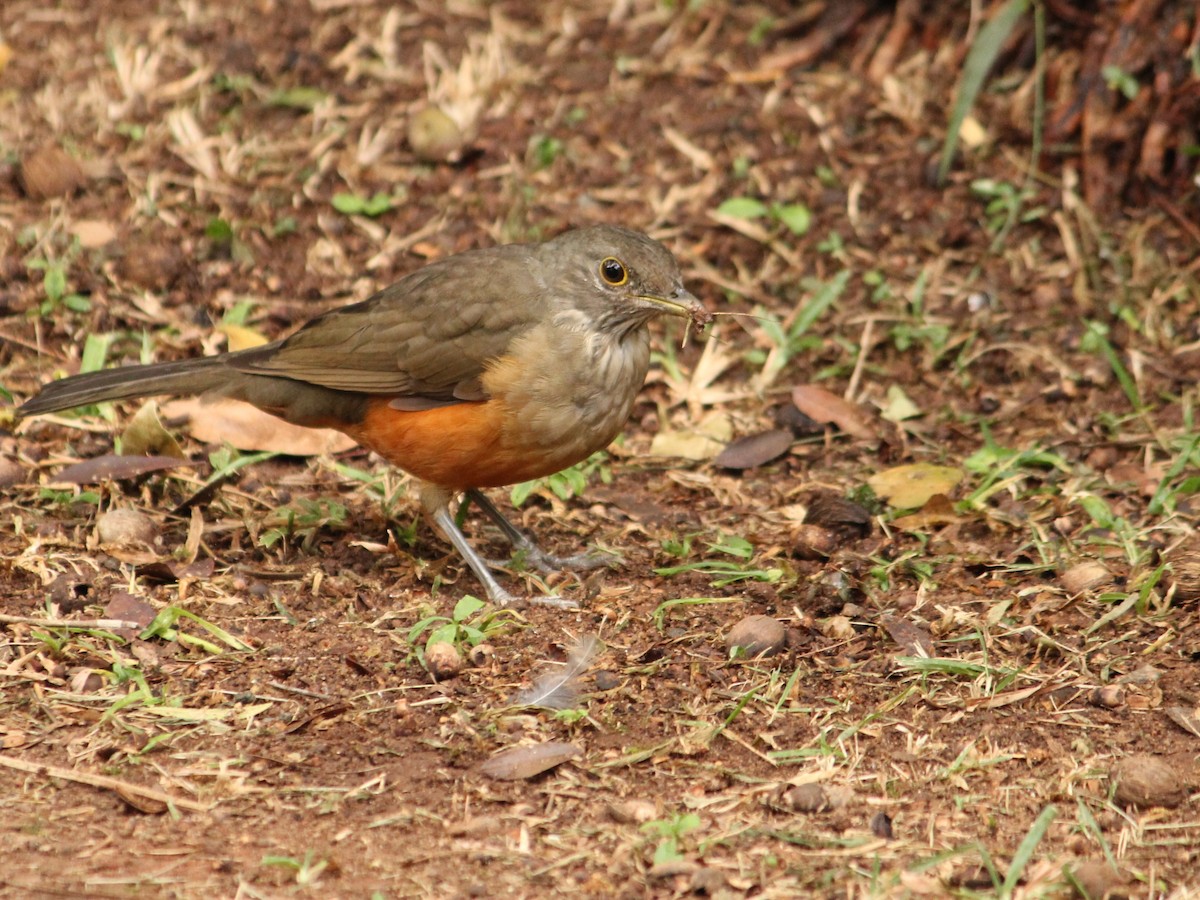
(613, 271)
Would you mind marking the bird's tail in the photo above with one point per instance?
(184, 377)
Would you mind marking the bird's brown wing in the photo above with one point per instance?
(430, 335)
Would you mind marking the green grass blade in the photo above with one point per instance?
(982, 55)
(1025, 851)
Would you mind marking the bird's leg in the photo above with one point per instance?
(435, 501)
(534, 555)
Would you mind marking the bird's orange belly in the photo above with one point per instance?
(460, 446)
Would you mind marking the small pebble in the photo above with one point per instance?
(1085, 576)
(125, 527)
(607, 681)
(757, 636)
(434, 136)
(443, 660)
(813, 542)
(806, 798)
(633, 812)
(1097, 880)
(49, 171)
(881, 826)
(1144, 780)
(11, 473)
(707, 881)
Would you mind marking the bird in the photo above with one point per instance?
(482, 369)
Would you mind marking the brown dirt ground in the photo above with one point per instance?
(326, 759)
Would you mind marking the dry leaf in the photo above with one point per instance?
(935, 513)
(822, 406)
(93, 233)
(145, 435)
(911, 486)
(912, 639)
(113, 467)
(245, 427)
(899, 406)
(1187, 719)
(755, 449)
(128, 608)
(519, 763)
(240, 337)
(704, 441)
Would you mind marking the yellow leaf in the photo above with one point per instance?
(704, 441)
(241, 337)
(911, 486)
(145, 434)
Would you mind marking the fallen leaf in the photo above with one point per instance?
(832, 510)
(129, 608)
(912, 639)
(822, 406)
(519, 763)
(245, 427)
(704, 441)
(754, 450)
(93, 233)
(169, 572)
(935, 513)
(1187, 719)
(240, 337)
(145, 435)
(899, 407)
(114, 467)
(911, 486)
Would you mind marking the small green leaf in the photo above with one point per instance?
(467, 607)
(743, 208)
(55, 282)
(219, 231)
(285, 225)
(297, 98)
(348, 204)
(521, 492)
(795, 216)
(95, 351)
(377, 205)
(444, 634)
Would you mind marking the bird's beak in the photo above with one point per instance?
(681, 304)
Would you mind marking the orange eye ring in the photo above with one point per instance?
(613, 271)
